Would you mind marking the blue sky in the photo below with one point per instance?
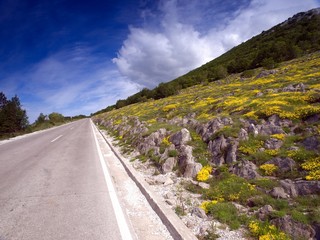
(77, 57)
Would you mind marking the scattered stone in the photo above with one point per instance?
(169, 181)
(253, 129)
(264, 212)
(168, 195)
(204, 185)
(300, 87)
(295, 229)
(243, 135)
(266, 73)
(170, 202)
(199, 212)
(273, 143)
(278, 192)
(269, 129)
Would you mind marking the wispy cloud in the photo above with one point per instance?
(189, 34)
(70, 82)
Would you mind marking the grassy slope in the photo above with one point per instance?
(237, 98)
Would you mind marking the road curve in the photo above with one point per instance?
(52, 186)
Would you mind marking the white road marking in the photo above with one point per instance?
(56, 138)
(122, 224)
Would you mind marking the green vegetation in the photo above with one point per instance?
(251, 94)
(14, 119)
(283, 42)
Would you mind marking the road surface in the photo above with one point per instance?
(52, 186)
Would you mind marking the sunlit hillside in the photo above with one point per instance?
(256, 135)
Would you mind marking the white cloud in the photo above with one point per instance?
(183, 40)
(71, 83)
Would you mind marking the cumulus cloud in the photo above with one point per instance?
(189, 34)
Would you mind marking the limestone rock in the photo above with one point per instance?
(181, 137)
(192, 170)
(264, 212)
(278, 192)
(295, 229)
(312, 143)
(273, 143)
(305, 187)
(168, 165)
(284, 164)
(199, 212)
(243, 134)
(289, 187)
(245, 169)
(217, 147)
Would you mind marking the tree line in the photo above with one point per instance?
(14, 119)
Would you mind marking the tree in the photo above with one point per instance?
(12, 117)
(41, 118)
(56, 117)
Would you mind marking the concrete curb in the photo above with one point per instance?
(173, 223)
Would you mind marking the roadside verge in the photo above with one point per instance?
(174, 225)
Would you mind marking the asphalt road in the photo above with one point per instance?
(52, 186)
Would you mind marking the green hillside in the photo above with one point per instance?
(242, 130)
(268, 122)
(295, 37)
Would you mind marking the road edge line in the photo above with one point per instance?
(175, 226)
(122, 223)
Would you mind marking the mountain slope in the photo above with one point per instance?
(295, 37)
(245, 147)
(257, 139)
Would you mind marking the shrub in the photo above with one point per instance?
(265, 231)
(173, 153)
(225, 213)
(230, 187)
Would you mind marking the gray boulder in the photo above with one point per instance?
(273, 143)
(243, 134)
(208, 129)
(295, 229)
(181, 137)
(278, 192)
(289, 187)
(284, 164)
(312, 143)
(300, 87)
(231, 155)
(168, 165)
(187, 165)
(264, 212)
(269, 129)
(305, 187)
(199, 212)
(217, 147)
(245, 169)
(192, 170)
